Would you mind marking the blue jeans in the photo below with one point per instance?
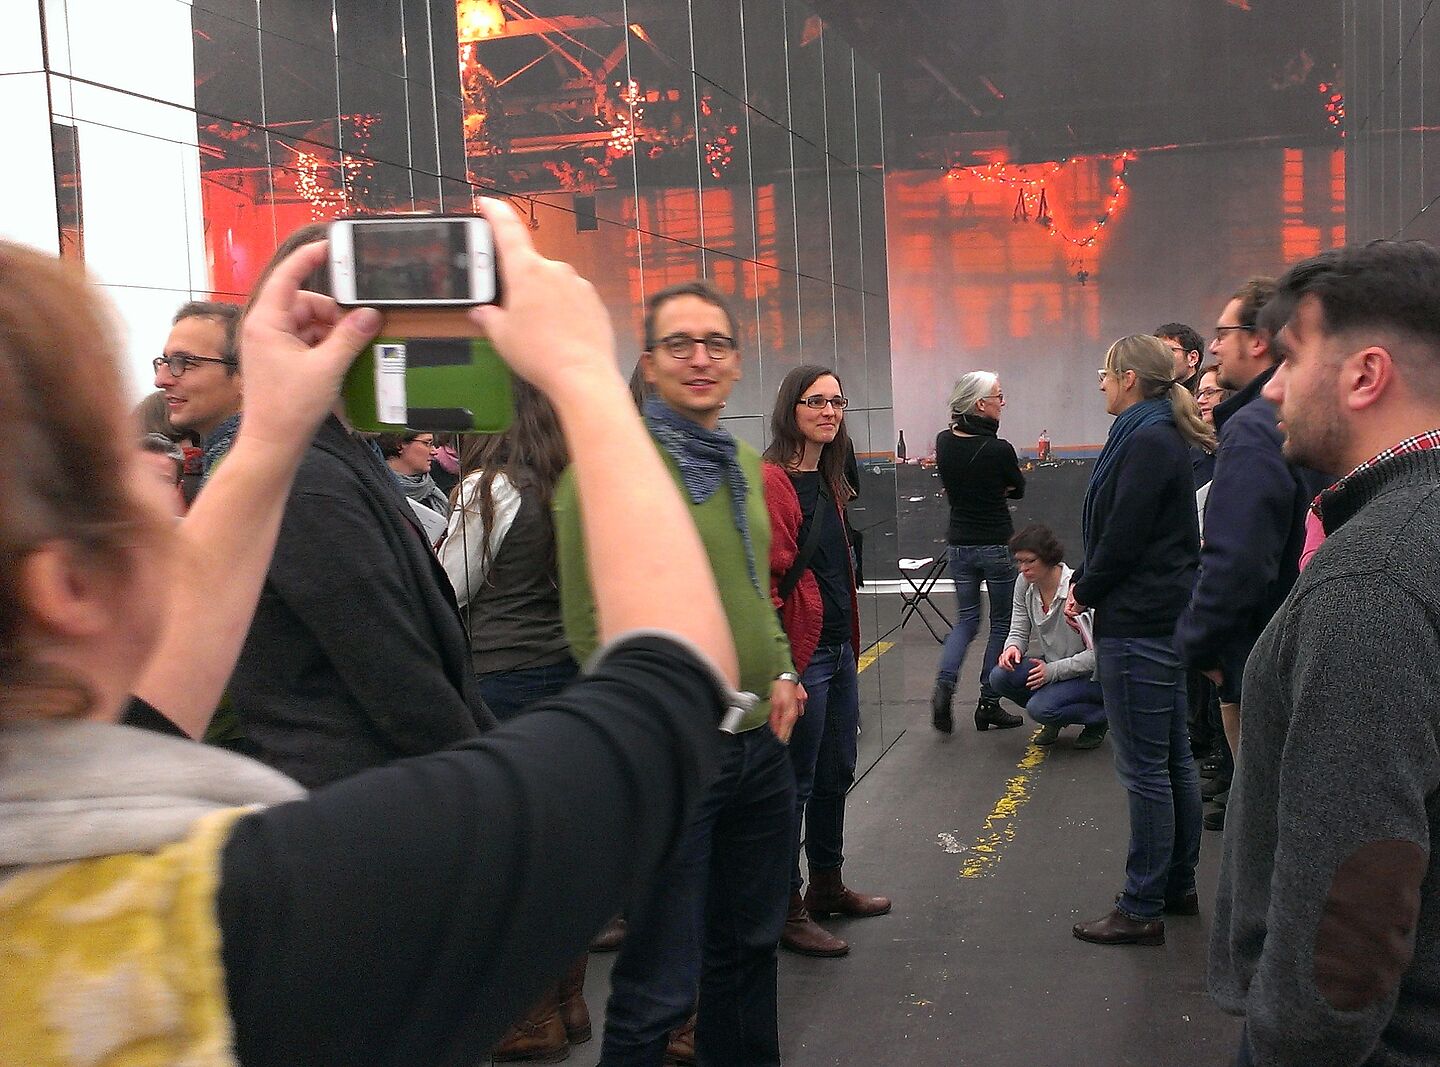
(1144, 687)
(508, 693)
(823, 753)
(1073, 701)
(721, 902)
(969, 565)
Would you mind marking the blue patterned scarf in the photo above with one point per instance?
(1136, 417)
(219, 442)
(705, 458)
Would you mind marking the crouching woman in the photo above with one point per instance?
(1046, 666)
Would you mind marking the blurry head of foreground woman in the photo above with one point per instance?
(82, 525)
(1139, 368)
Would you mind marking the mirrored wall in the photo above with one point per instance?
(172, 146)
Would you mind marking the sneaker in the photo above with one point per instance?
(1215, 820)
(1048, 735)
(1091, 736)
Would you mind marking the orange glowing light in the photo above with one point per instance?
(479, 20)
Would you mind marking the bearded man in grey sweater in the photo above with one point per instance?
(1327, 921)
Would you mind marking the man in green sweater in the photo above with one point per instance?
(1327, 921)
(712, 924)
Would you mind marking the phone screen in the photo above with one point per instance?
(402, 261)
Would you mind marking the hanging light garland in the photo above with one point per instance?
(1031, 197)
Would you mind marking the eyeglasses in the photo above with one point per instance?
(428, 442)
(1026, 561)
(1209, 391)
(679, 345)
(998, 396)
(818, 402)
(1220, 330)
(1102, 372)
(180, 362)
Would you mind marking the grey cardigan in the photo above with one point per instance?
(1046, 635)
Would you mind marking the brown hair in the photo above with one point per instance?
(1148, 357)
(531, 454)
(226, 314)
(704, 290)
(1253, 296)
(787, 444)
(390, 444)
(65, 449)
(1040, 541)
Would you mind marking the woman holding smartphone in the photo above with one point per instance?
(1142, 548)
(406, 914)
(812, 575)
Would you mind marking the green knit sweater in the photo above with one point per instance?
(762, 646)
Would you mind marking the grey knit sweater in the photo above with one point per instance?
(1327, 921)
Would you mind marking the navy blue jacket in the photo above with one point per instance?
(1254, 531)
(1143, 543)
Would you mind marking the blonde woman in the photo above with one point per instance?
(1142, 548)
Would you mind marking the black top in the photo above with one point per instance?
(356, 655)
(1143, 545)
(410, 913)
(976, 471)
(831, 562)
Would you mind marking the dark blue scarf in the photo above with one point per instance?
(1136, 417)
(705, 458)
(219, 442)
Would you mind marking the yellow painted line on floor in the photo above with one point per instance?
(1000, 825)
(872, 654)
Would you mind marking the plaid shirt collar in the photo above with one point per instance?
(1419, 443)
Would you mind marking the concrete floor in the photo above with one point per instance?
(980, 969)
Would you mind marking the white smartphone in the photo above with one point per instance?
(412, 261)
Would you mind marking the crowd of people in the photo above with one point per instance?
(463, 704)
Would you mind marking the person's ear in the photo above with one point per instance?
(1366, 376)
(647, 365)
(65, 594)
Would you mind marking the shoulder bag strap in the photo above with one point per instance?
(807, 550)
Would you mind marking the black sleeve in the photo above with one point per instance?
(144, 716)
(1139, 489)
(408, 914)
(1010, 472)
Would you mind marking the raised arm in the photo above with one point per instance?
(296, 347)
(555, 332)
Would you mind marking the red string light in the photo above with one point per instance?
(1032, 195)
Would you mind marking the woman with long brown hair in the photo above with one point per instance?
(206, 907)
(812, 576)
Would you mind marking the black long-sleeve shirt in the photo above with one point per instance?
(410, 913)
(981, 476)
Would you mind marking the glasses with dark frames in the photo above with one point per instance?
(679, 345)
(180, 362)
(818, 402)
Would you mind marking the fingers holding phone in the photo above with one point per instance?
(552, 326)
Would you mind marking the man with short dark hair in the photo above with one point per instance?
(727, 889)
(1186, 346)
(1326, 934)
(1254, 523)
(199, 373)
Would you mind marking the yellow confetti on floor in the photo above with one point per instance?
(999, 827)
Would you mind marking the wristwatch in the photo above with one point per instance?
(788, 676)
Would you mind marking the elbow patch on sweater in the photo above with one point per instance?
(1366, 935)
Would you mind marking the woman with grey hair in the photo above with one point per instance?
(981, 474)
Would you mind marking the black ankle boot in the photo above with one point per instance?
(940, 716)
(988, 713)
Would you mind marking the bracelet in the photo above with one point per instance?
(788, 676)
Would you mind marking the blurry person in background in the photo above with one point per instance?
(199, 373)
(409, 456)
(1046, 666)
(1187, 348)
(445, 467)
(164, 457)
(812, 578)
(153, 415)
(981, 474)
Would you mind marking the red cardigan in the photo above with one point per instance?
(803, 614)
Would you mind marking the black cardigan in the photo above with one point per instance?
(1143, 544)
(356, 655)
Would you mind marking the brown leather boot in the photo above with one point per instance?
(804, 935)
(537, 1038)
(573, 1012)
(827, 895)
(680, 1052)
(611, 936)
